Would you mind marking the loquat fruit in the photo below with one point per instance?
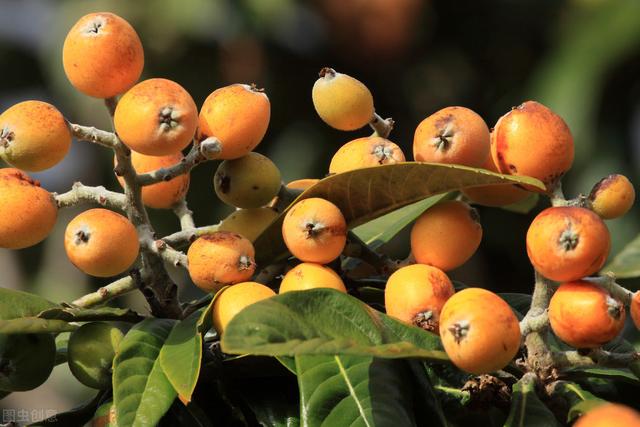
(235, 298)
(479, 331)
(26, 360)
(365, 152)
(314, 230)
(219, 259)
(309, 275)
(531, 140)
(455, 135)
(34, 136)
(102, 55)
(567, 243)
(250, 181)
(634, 309)
(250, 223)
(156, 117)
(415, 295)
(584, 315)
(446, 235)
(90, 353)
(238, 116)
(27, 211)
(162, 195)
(608, 415)
(101, 242)
(611, 197)
(341, 101)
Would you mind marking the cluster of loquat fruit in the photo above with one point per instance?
(156, 119)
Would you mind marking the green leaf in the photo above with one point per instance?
(273, 400)
(324, 321)
(35, 325)
(365, 194)
(77, 314)
(142, 393)
(345, 390)
(75, 417)
(519, 302)
(181, 353)
(379, 231)
(580, 401)
(610, 374)
(526, 408)
(15, 304)
(524, 206)
(626, 264)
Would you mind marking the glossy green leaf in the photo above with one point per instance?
(34, 325)
(274, 401)
(580, 401)
(345, 390)
(527, 410)
(524, 206)
(626, 264)
(142, 393)
(15, 304)
(324, 321)
(181, 353)
(379, 231)
(365, 194)
(77, 314)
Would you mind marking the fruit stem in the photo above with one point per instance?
(184, 166)
(356, 248)
(608, 282)
(381, 127)
(597, 356)
(184, 214)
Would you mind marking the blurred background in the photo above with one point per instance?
(579, 57)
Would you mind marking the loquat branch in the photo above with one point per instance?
(196, 155)
(170, 255)
(534, 327)
(608, 282)
(356, 248)
(82, 194)
(595, 357)
(95, 136)
(381, 127)
(183, 238)
(115, 289)
(184, 214)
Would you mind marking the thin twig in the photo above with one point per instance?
(193, 158)
(184, 214)
(81, 194)
(608, 282)
(119, 287)
(182, 238)
(595, 357)
(381, 127)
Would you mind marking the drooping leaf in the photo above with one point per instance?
(626, 264)
(527, 410)
(344, 390)
(142, 393)
(580, 401)
(181, 353)
(365, 194)
(35, 325)
(379, 231)
(525, 205)
(75, 417)
(324, 321)
(77, 314)
(609, 374)
(274, 401)
(15, 304)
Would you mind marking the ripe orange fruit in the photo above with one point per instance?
(634, 308)
(479, 331)
(101, 242)
(341, 101)
(494, 195)
(365, 152)
(220, 259)
(608, 415)
(567, 243)
(446, 235)
(102, 55)
(162, 195)
(315, 230)
(532, 140)
(27, 211)
(34, 136)
(156, 117)
(455, 135)
(250, 223)
(238, 115)
(584, 315)
(611, 197)
(415, 295)
(233, 299)
(248, 182)
(309, 275)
